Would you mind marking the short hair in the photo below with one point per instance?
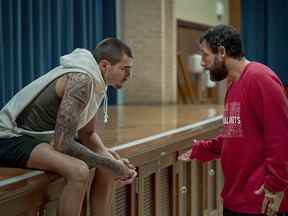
(111, 49)
(226, 36)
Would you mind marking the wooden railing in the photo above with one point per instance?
(163, 187)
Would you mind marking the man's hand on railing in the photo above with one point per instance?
(185, 156)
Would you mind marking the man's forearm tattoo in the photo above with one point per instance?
(76, 96)
(91, 158)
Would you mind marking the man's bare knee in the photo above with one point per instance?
(78, 172)
(45, 157)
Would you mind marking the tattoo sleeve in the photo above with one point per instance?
(76, 97)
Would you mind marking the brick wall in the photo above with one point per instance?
(149, 27)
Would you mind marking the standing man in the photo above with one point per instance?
(253, 147)
(50, 125)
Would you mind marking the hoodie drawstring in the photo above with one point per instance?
(105, 108)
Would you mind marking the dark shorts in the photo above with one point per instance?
(16, 151)
(227, 212)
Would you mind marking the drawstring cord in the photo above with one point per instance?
(105, 108)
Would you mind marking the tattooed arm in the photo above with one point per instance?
(76, 96)
(88, 136)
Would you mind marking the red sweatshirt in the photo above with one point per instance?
(254, 144)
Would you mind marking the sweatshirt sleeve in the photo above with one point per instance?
(271, 108)
(206, 150)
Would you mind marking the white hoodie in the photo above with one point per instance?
(80, 60)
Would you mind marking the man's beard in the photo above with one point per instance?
(218, 71)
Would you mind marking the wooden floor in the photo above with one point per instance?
(129, 123)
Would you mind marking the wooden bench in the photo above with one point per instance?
(151, 137)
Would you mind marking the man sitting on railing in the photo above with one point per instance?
(50, 125)
(254, 144)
